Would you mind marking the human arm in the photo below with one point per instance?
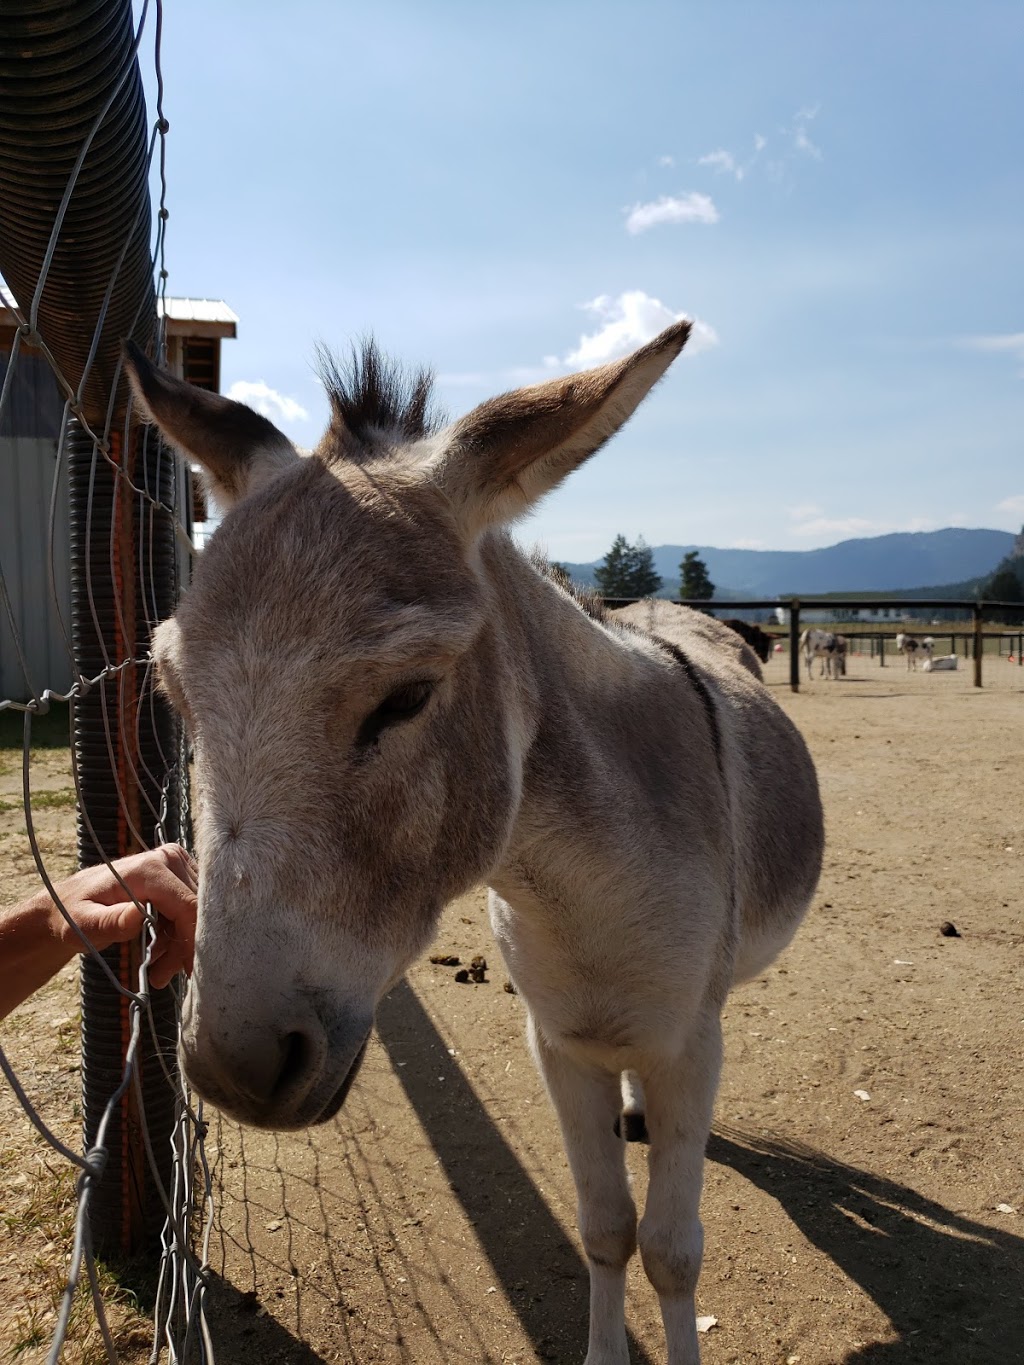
(36, 941)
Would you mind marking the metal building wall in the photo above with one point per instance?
(28, 458)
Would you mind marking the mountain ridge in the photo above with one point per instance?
(895, 562)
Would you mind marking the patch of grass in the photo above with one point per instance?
(43, 1223)
(44, 800)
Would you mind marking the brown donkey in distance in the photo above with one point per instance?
(389, 704)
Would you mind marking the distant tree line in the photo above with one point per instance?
(628, 571)
(1007, 584)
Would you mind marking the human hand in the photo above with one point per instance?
(104, 911)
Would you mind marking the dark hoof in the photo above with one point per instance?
(636, 1128)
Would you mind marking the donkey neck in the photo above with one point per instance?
(565, 657)
(612, 722)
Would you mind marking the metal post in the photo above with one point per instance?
(124, 741)
(979, 641)
(794, 644)
(881, 649)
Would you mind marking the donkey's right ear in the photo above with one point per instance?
(238, 448)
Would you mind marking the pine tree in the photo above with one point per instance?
(627, 570)
(612, 576)
(694, 581)
(645, 578)
(1005, 586)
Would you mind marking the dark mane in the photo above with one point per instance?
(371, 396)
(588, 599)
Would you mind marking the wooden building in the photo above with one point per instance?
(34, 565)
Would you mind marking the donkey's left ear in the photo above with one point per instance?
(238, 449)
(498, 460)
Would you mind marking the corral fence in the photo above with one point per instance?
(100, 526)
(973, 637)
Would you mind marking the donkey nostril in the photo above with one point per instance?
(297, 1056)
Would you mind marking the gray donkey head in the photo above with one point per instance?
(354, 675)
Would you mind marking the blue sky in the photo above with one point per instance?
(833, 190)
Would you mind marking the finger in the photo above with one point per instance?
(104, 925)
(176, 939)
(152, 880)
(173, 957)
(181, 862)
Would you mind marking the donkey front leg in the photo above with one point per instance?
(587, 1102)
(680, 1098)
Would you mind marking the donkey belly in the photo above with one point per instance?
(761, 942)
(779, 860)
(611, 991)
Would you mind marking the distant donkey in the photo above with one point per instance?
(911, 645)
(830, 648)
(390, 704)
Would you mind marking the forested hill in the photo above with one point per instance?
(897, 562)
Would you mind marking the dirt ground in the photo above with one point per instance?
(864, 1195)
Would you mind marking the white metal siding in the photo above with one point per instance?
(28, 462)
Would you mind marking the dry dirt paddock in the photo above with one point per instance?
(864, 1196)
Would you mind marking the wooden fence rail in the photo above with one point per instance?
(795, 605)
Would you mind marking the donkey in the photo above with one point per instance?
(830, 648)
(908, 645)
(389, 704)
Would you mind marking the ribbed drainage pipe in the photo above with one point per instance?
(62, 64)
(126, 751)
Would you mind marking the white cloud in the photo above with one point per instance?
(809, 520)
(801, 141)
(626, 322)
(256, 394)
(1014, 505)
(999, 343)
(724, 162)
(666, 160)
(690, 208)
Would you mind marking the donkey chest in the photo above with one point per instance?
(602, 979)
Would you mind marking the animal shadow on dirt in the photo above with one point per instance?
(949, 1286)
(544, 1276)
(241, 1332)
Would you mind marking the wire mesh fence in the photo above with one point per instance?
(80, 259)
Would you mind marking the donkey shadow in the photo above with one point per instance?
(949, 1286)
(544, 1277)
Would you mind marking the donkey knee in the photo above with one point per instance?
(609, 1235)
(672, 1256)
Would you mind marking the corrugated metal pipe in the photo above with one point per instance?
(61, 63)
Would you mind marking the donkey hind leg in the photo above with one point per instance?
(587, 1102)
(633, 1126)
(680, 1100)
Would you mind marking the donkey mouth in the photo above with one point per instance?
(339, 1096)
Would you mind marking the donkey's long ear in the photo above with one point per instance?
(499, 459)
(238, 449)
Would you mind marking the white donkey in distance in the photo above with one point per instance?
(389, 703)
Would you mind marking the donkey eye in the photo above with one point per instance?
(402, 704)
